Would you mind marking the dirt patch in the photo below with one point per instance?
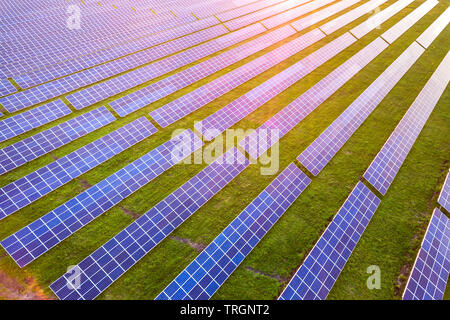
(280, 279)
(130, 213)
(197, 246)
(11, 289)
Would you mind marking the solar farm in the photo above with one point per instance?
(326, 124)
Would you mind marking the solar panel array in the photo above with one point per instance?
(429, 275)
(321, 151)
(318, 273)
(444, 197)
(427, 37)
(6, 87)
(387, 163)
(119, 254)
(41, 235)
(201, 279)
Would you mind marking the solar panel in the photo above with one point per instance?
(96, 93)
(444, 197)
(350, 16)
(428, 278)
(139, 99)
(114, 258)
(41, 235)
(31, 119)
(426, 38)
(388, 161)
(250, 8)
(380, 17)
(223, 119)
(90, 76)
(260, 140)
(297, 12)
(41, 143)
(6, 87)
(201, 279)
(323, 265)
(399, 28)
(323, 149)
(197, 98)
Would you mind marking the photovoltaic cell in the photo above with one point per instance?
(426, 38)
(31, 119)
(119, 254)
(388, 161)
(444, 197)
(250, 8)
(323, 265)
(263, 138)
(429, 276)
(223, 119)
(6, 87)
(33, 186)
(139, 99)
(41, 143)
(201, 279)
(38, 237)
(323, 149)
(196, 99)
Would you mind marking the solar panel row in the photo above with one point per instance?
(41, 143)
(38, 237)
(197, 98)
(429, 275)
(201, 279)
(35, 185)
(235, 111)
(6, 87)
(444, 197)
(115, 257)
(101, 91)
(31, 119)
(388, 161)
(322, 150)
(252, 7)
(139, 99)
(263, 138)
(318, 273)
(426, 38)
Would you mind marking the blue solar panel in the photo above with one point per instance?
(235, 111)
(32, 119)
(33, 186)
(41, 143)
(38, 237)
(196, 99)
(444, 197)
(388, 161)
(6, 87)
(201, 279)
(139, 99)
(101, 91)
(429, 276)
(323, 265)
(263, 138)
(120, 253)
(323, 149)
(250, 8)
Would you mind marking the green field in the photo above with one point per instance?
(391, 240)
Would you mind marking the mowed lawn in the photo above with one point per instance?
(391, 240)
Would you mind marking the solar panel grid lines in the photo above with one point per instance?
(444, 197)
(323, 14)
(429, 275)
(87, 77)
(260, 140)
(317, 155)
(38, 237)
(202, 278)
(96, 93)
(388, 161)
(427, 37)
(31, 119)
(250, 8)
(119, 254)
(295, 13)
(323, 265)
(41, 143)
(235, 111)
(350, 16)
(199, 97)
(400, 27)
(6, 87)
(380, 17)
(139, 99)
(35, 185)
(75, 65)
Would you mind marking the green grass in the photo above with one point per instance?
(391, 240)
